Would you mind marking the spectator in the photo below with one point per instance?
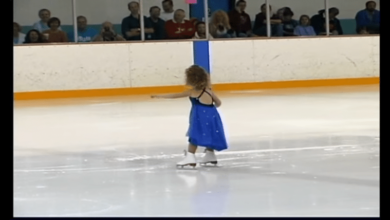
(194, 21)
(131, 25)
(178, 28)
(280, 12)
(41, 25)
(363, 31)
(84, 33)
(368, 20)
(220, 26)
(304, 28)
(107, 33)
(319, 22)
(240, 21)
(33, 37)
(289, 24)
(169, 12)
(332, 28)
(19, 37)
(157, 23)
(54, 34)
(201, 31)
(260, 27)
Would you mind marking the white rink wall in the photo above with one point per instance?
(294, 59)
(124, 65)
(98, 66)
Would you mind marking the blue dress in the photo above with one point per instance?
(206, 128)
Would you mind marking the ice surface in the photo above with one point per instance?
(296, 152)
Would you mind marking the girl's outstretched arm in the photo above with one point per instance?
(173, 96)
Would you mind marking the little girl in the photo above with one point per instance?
(206, 128)
(304, 28)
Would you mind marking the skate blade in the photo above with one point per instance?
(187, 166)
(210, 164)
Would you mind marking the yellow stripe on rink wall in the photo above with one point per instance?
(173, 89)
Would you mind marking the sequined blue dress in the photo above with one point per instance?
(206, 128)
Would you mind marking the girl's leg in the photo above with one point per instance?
(192, 148)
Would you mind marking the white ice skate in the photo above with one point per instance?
(189, 160)
(209, 157)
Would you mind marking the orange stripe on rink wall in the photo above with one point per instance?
(96, 92)
(297, 84)
(173, 89)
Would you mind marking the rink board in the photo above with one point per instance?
(90, 70)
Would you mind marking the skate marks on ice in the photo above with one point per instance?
(306, 163)
(331, 143)
(271, 151)
(107, 183)
(239, 154)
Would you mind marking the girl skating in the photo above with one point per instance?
(206, 128)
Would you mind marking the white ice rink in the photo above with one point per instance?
(293, 152)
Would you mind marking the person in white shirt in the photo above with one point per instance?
(41, 25)
(168, 12)
(18, 35)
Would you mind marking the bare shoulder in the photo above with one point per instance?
(193, 92)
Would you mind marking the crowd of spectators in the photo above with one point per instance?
(172, 24)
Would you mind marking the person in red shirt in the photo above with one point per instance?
(178, 28)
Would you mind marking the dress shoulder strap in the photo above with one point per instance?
(204, 90)
(208, 93)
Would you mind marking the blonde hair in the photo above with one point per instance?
(197, 77)
(213, 26)
(225, 18)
